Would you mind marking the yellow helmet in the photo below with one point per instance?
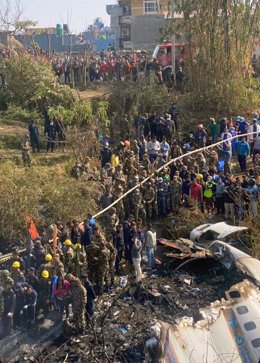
(77, 245)
(45, 274)
(68, 242)
(48, 257)
(16, 264)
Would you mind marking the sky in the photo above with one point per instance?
(77, 13)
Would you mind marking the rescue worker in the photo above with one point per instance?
(78, 303)
(16, 273)
(26, 152)
(68, 255)
(9, 300)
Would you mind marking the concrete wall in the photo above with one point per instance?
(145, 30)
(115, 11)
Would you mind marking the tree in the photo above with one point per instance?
(11, 16)
(220, 37)
(32, 84)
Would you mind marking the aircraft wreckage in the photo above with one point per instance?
(229, 330)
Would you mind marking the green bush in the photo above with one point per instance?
(18, 113)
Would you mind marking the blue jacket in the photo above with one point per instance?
(242, 148)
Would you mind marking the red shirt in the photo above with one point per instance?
(196, 192)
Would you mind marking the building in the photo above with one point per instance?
(136, 23)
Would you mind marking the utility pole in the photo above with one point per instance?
(173, 40)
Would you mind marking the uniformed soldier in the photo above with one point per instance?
(78, 303)
(176, 194)
(92, 254)
(112, 260)
(102, 267)
(136, 203)
(79, 262)
(68, 255)
(48, 266)
(16, 273)
(26, 152)
(149, 197)
(44, 300)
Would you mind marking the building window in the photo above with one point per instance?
(250, 326)
(256, 343)
(151, 7)
(242, 310)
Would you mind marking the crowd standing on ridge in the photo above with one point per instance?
(67, 278)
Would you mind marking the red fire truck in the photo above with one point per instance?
(163, 54)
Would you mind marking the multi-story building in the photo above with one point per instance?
(136, 23)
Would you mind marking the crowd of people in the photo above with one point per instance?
(108, 66)
(67, 276)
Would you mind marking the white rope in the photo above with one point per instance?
(169, 163)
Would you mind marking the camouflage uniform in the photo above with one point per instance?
(149, 197)
(58, 268)
(17, 275)
(48, 266)
(129, 167)
(146, 163)
(92, 254)
(176, 194)
(5, 278)
(78, 303)
(112, 260)
(79, 263)
(26, 153)
(110, 222)
(136, 203)
(102, 268)
(119, 178)
(135, 148)
(120, 210)
(68, 260)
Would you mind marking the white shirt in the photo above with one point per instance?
(153, 147)
(254, 136)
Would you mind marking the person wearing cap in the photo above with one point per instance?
(214, 130)
(208, 194)
(243, 151)
(38, 253)
(242, 128)
(29, 306)
(44, 297)
(20, 302)
(79, 263)
(16, 273)
(91, 296)
(32, 279)
(9, 301)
